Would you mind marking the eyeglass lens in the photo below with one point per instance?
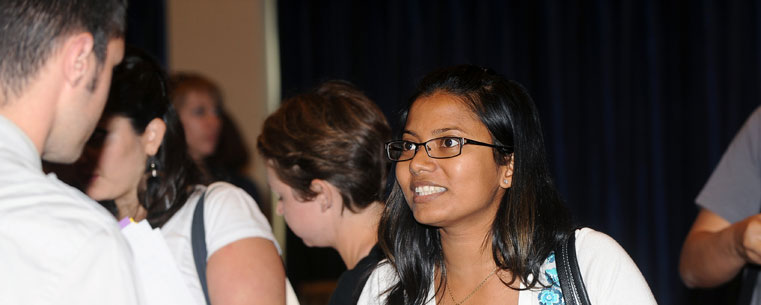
(445, 147)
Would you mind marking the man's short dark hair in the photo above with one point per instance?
(30, 31)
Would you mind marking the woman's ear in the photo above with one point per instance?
(325, 194)
(153, 136)
(506, 175)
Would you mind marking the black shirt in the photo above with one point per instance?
(351, 282)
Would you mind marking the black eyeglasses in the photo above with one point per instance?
(438, 148)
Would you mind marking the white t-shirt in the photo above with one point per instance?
(230, 214)
(609, 274)
(57, 246)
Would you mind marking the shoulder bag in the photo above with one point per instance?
(571, 283)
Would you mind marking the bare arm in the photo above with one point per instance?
(247, 271)
(716, 250)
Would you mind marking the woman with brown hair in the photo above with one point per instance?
(325, 163)
(214, 142)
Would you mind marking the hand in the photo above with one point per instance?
(748, 239)
(715, 249)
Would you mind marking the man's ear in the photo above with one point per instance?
(506, 175)
(76, 57)
(153, 136)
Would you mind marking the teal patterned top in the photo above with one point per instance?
(553, 294)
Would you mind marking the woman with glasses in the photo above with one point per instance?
(474, 217)
(326, 164)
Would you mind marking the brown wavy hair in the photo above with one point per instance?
(183, 83)
(334, 133)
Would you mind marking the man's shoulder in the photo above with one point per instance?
(61, 244)
(45, 209)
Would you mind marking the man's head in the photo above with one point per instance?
(61, 51)
(31, 30)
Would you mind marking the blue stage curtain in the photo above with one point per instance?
(638, 98)
(146, 27)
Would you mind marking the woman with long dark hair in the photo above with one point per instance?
(474, 217)
(139, 162)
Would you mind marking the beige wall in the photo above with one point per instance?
(234, 42)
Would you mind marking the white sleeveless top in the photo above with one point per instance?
(609, 274)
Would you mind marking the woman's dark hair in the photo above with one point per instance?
(334, 133)
(531, 219)
(232, 155)
(139, 93)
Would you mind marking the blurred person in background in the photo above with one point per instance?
(214, 141)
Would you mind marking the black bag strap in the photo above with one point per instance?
(748, 284)
(571, 283)
(198, 241)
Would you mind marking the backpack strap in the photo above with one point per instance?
(198, 242)
(748, 279)
(748, 284)
(571, 283)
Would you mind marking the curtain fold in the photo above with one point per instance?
(146, 27)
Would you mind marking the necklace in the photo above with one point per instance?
(472, 292)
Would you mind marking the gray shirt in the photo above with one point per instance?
(734, 189)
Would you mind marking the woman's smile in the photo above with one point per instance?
(426, 191)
